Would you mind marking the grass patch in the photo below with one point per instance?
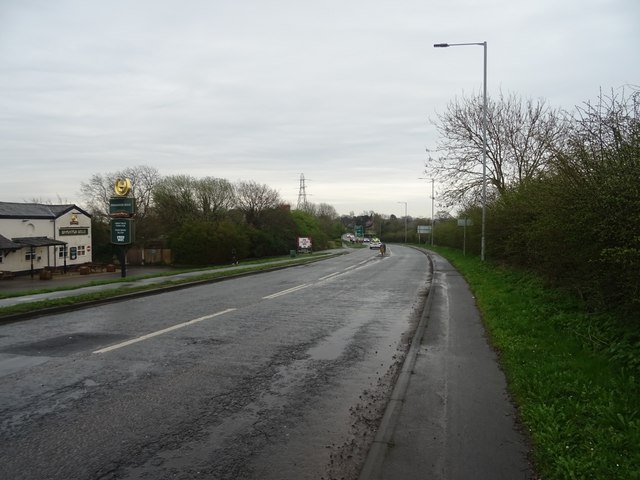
(573, 374)
(212, 273)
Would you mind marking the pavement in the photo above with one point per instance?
(76, 284)
(23, 283)
(450, 415)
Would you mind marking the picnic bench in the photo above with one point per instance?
(5, 275)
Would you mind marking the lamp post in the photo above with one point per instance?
(433, 199)
(405, 221)
(484, 136)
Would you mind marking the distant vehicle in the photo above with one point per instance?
(348, 237)
(375, 244)
(366, 240)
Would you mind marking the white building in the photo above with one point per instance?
(34, 236)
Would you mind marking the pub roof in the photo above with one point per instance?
(37, 241)
(6, 244)
(36, 210)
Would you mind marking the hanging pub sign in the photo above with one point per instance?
(122, 231)
(122, 209)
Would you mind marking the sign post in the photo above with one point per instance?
(424, 229)
(122, 209)
(464, 222)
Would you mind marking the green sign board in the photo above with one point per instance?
(122, 206)
(359, 231)
(122, 231)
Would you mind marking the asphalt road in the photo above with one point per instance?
(281, 375)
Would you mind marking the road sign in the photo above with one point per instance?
(424, 228)
(359, 231)
(122, 232)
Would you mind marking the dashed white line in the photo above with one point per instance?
(285, 292)
(160, 332)
(329, 276)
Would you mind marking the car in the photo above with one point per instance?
(375, 244)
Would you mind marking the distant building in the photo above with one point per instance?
(34, 236)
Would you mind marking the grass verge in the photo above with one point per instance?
(573, 374)
(205, 275)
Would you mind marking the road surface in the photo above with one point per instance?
(281, 375)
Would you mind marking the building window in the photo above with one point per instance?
(62, 252)
(1, 256)
(30, 255)
(81, 251)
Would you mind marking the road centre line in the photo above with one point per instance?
(357, 265)
(289, 290)
(329, 276)
(321, 279)
(160, 332)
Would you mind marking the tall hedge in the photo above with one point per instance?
(578, 225)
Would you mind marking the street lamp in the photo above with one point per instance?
(484, 136)
(433, 199)
(405, 221)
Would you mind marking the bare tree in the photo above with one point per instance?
(252, 199)
(96, 193)
(324, 210)
(602, 129)
(182, 197)
(521, 136)
(321, 210)
(215, 196)
(99, 189)
(143, 181)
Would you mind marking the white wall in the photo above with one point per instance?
(47, 256)
(82, 243)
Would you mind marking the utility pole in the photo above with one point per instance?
(405, 221)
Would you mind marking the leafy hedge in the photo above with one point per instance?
(578, 223)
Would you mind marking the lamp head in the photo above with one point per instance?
(440, 45)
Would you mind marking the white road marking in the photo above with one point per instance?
(206, 317)
(160, 332)
(285, 292)
(329, 276)
(320, 280)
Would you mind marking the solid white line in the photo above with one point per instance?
(289, 290)
(160, 332)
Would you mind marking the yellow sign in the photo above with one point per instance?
(122, 187)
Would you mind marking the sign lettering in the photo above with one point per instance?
(67, 231)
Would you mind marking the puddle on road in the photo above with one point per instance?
(63, 345)
(335, 344)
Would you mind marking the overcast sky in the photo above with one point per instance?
(341, 90)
